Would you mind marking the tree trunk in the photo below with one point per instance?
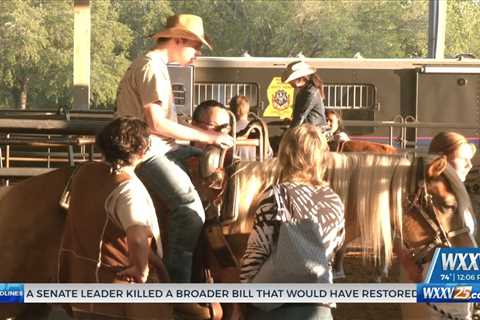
(22, 103)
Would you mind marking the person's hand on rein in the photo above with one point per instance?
(222, 140)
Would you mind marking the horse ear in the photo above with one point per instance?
(437, 167)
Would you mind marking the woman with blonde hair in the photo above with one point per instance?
(299, 225)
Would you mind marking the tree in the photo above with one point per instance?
(463, 23)
(24, 39)
(36, 49)
(109, 53)
(376, 29)
(36, 52)
(143, 18)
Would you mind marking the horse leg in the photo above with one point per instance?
(380, 274)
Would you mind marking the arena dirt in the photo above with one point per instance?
(359, 271)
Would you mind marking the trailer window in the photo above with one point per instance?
(178, 90)
(223, 92)
(350, 96)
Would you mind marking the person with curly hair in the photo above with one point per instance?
(112, 233)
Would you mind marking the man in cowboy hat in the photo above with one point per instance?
(146, 92)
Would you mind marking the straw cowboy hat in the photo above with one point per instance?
(185, 26)
(295, 70)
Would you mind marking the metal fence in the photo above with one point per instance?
(223, 92)
(350, 96)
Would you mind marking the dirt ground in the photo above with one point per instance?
(359, 272)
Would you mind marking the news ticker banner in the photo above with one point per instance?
(201, 293)
(453, 276)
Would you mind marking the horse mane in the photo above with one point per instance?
(372, 187)
(253, 179)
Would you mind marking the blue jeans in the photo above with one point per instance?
(165, 174)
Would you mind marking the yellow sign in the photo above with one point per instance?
(280, 99)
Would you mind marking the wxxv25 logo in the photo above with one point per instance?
(435, 293)
(453, 276)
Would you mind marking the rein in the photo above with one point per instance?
(420, 203)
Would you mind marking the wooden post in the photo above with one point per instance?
(81, 55)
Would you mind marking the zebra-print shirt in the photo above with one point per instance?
(320, 205)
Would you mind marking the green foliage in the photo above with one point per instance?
(463, 23)
(111, 40)
(143, 18)
(24, 40)
(36, 48)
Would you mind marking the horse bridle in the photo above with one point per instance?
(420, 202)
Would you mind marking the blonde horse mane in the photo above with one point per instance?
(370, 185)
(374, 189)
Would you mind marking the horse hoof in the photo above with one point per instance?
(339, 275)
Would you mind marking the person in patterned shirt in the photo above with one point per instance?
(299, 219)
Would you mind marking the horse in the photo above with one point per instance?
(370, 185)
(364, 146)
(383, 195)
(32, 224)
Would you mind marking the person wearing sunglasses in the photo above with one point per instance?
(210, 115)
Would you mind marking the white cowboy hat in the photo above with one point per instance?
(185, 26)
(295, 70)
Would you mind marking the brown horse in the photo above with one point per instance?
(364, 146)
(32, 224)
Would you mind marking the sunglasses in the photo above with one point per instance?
(216, 127)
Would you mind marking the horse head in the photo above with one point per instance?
(439, 213)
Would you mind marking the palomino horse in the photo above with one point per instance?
(383, 195)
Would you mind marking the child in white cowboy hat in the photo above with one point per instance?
(308, 106)
(146, 92)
